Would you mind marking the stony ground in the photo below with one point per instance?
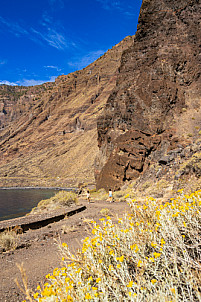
(38, 249)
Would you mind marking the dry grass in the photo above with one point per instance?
(8, 240)
(61, 199)
(99, 195)
(104, 211)
(65, 229)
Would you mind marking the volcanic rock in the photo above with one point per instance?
(155, 106)
(48, 135)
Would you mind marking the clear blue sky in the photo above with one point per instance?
(41, 39)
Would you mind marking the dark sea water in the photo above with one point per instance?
(18, 202)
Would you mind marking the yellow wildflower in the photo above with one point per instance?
(136, 248)
(153, 244)
(156, 255)
(132, 247)
(172, 290)
(88, 296)
(67, 279)
(64, 244)
(110, 267)
(35, 295)
(98, 280)
(121, 259)
(162, 241)
(130, 284)
(176, 214)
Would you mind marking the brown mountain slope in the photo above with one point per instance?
(53, 140)
(16, 100)
(156, 104)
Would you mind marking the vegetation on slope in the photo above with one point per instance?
(151, 254)
(59, 200)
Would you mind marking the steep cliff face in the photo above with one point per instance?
(17, 100)
(158, 92)
(49, 134)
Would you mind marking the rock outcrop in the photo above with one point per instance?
(156, 104)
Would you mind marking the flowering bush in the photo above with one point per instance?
(151, 254)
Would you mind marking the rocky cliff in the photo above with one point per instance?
(155, 106)
(48, 134)
(17, 100)
(141, 102)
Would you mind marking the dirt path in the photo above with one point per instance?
(40, 253)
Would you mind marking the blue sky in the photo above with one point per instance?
(42, 39)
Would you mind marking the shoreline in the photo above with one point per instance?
(40, 220)
(22, 190)
(40, 188)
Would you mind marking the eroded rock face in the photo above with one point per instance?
(128, 158)
(159, 77)
(49, 136)
(17, 100)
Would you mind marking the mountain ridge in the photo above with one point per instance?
(50, 138)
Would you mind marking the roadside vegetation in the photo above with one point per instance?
(61, 199)
(8, 240)
(152, 253)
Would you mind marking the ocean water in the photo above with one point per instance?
(18, 202)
